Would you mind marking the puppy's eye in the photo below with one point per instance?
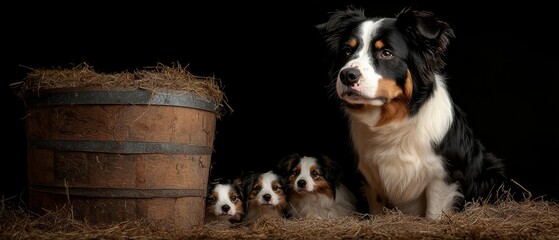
(386, 54)
(275, 188)
(295, 172)
(257, 188)
(233, 198)
(314, 173)
(211, 199)
(347, 50)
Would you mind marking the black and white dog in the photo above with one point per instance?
(315, 188)
(265, 196)
(224, 204)
(414, 147)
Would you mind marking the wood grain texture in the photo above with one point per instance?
(99, 185)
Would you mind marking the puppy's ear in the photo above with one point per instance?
(332, 171)
(286, 164)
(238, 185)
(211, 185)
(247, 182)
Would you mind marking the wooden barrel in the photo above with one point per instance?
(120, 154)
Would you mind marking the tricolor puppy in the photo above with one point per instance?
(224, 202)
(315, 188)
(414, 147)
(265, 196)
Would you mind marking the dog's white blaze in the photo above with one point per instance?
(267, 179)
(306, 164)
(368, 82)
(398, 158)
(223, 199)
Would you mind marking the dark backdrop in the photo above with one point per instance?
(269, 59)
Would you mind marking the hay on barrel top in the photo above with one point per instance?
(150, 78)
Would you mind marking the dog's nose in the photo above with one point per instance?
(225, 208)
(267, 197)
(350, 76)
(301, 183)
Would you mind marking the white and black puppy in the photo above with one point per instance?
(315, 188)
(414, 147)
(224, 203)
(265, 196)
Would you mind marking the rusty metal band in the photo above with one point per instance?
(122, 147)
(137, 97)
(119, 193)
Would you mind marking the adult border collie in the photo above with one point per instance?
(414, 148)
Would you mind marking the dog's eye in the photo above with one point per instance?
(386, 54)
(347, 50)
(295, 172)
(275, 188)
(257, 188)
(314, 173)
(233, 198)
(211, 199)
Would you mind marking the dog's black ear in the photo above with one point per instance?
(283, 182)
(332, 171)
(248, 181)
(321, 28)
(427, 38)
(340, 19)
(424, 25)
(211, 185)
(286, 164)
(238, 185)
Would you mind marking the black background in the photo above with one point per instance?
(270, 62)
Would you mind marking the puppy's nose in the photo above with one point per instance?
(350, 76)
(225, 208)
(301, 183)
(267, 197)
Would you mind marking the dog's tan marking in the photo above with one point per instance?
(253, 191)
(352, 42)
(292, 177)
(320, 183)
(396, 107)
(388, 88)
(215, 195)
(379, 44)
(408, 87)
(322, 186)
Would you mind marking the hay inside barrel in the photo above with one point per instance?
(118, 147)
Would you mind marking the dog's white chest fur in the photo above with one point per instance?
(398, 159)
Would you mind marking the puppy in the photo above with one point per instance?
(224, 203)
(265, 196)
(315, 188)
(414, 147)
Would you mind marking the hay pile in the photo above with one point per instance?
(508, 219)
(150, 78)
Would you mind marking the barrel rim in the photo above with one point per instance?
(134, 193)
(119, 96)
(121, 147)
